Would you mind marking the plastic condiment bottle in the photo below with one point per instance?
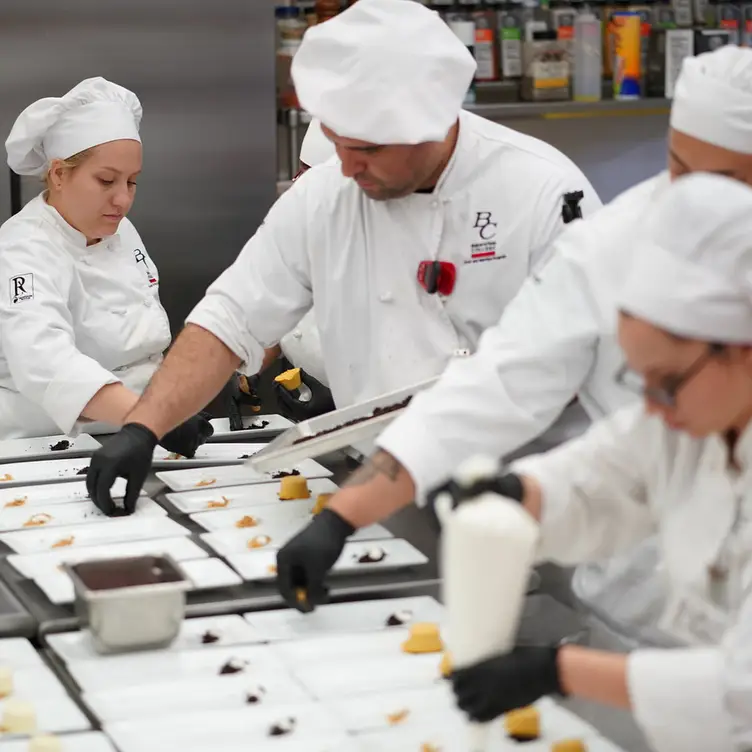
(587, 57)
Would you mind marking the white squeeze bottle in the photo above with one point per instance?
(488, 548)
(588, 45)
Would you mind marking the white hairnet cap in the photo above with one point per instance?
(384, 72)
(316, 148)
(713, 98)
(692, 275)
(94, 112)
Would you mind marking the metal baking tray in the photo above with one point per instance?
(283, 451)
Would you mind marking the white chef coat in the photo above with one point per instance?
(556, 340)
(494, 214)
(628, 478)
(83, 317)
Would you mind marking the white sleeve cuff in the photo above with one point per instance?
(69, 392)
(418, 450)
(678, 699)
(212, 315)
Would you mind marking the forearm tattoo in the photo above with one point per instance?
(381, 463)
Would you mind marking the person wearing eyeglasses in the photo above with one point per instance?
(677, 468)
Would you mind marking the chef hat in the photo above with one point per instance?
(92, 113)
(316, 148)
(692, 274)
(713, 98)
(385, 72)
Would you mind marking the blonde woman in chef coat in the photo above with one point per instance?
(678, 466)
(81, 326)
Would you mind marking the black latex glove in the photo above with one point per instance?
(507, 682)
(188, 436)
(304, 562)
(127, 454)
(321, 401)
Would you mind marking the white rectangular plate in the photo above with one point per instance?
(17, 653)
(117, 530)
(19, 450)
(52, 494)
(230, 542)
(30, 565)
(36, 683)
(91, 741)
(231, 630)
(218, 729)
(261, 494)
(194, 695)
(75, 513)
(275, 424)
(206, 456)
(139, 669)
(363, 676)
(342, 618)
(55, 714)
(203, 574)
(218, 477)
(282, 512)
(42, 471)
(260, 565)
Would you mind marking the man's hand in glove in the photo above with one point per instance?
(188, 436)
(304, 562)
(507, 682)
(128, 455)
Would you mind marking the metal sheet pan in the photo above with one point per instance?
(283, 450)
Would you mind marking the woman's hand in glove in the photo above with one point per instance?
(493, 687)
(188, 436)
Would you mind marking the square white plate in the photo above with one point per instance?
(206, 456)
(17, 653)
(55, 714)
(29, 565)
(363, 676)
(217, 729)
(256, 566)
(40, 447)
(218, 477)
(139, 669)
(116, 530)
(342, 618)
(194, 695)
(203, 574)
(208, 574)
(275, 424)
(233, 541)
(231, 630)
(261, 494)
(91, 741)
(52, 494)
(42, 471)
(283, 512)
(75, 513)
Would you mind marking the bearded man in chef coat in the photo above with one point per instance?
(555, 341)
(418, 180)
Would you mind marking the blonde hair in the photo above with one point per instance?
(71, 163)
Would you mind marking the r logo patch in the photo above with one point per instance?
(21, 288)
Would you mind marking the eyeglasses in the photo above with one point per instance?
(668, 392)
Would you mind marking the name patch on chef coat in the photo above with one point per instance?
(140, 257)
(484, 246)
(21, 288)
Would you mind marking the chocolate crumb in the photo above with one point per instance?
(244, 456)
(261, 424)
(83, 471)
(523, 739)
(253, 698)
(284, 474)
(60, 446)
(372, 557)
(282, 728)
(209, 637)
(378, 411)
(231, 667)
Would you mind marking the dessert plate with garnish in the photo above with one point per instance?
(53, 493)
(234, 475)
(254, 427)
(47, 447)
(345, 618)
(43, 471)
(260, 494)
(206, 456)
